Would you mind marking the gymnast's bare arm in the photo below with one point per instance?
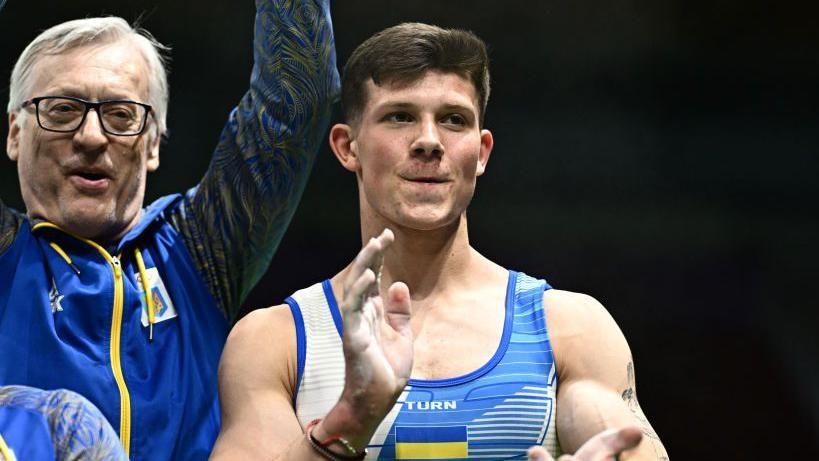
(257, 374)
(596, 384)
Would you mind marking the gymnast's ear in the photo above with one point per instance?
(487, 142)
(343, 144)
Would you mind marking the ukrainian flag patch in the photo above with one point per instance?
(430, 442)
(162, 301)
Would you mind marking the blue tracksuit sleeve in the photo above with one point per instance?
(234, 219)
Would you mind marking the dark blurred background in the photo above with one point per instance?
(659, 155)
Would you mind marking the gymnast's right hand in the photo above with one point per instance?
(377, 346)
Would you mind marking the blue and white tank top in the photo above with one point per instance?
(495, 412)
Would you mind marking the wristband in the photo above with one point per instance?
(322, 446)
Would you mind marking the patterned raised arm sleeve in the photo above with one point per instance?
(10, 222)
(76, 428)
(235, 218)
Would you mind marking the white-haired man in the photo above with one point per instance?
(438, 353)
(130, 306)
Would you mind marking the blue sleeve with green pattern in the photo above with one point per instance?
(10, 222)
(235, 218)
(77, 429)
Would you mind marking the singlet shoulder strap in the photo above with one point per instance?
(531, 343)
(526, 283)
(528, 294)
(321, 357)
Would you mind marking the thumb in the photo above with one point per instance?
(538, 453)
(610, 443)
(397, 308)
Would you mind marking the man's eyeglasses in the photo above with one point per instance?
(65, 114)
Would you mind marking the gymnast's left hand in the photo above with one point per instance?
(605, 446)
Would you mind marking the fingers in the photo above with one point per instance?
(538, 453)
(370, 259)
(604, 446)
(370, 256)
(398, 310)
(384, 241)
(378, 306)
(354, 295)
(607, 444)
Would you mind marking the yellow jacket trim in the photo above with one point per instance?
(116, 334)
(146, 286)
(65, 256)
(5, 451)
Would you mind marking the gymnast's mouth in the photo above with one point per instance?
(92, 176)
(427, 179)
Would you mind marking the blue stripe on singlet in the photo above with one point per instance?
(331, 300)
(508, 321)
(301, 342)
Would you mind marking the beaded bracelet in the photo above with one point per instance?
(322, 446)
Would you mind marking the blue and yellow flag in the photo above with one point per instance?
(430, 442)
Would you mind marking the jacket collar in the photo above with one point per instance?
(150, 215)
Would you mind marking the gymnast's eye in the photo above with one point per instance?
(454, 119)
(398, 117)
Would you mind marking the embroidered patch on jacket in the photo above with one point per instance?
(163, 306)
(54, 297)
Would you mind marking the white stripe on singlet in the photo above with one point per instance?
(322, 379)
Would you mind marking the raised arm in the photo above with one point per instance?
(257, 375)
(234, 219)
(596, 384)
(10, 222)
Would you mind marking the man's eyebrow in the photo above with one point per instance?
(396, 105)
(76, 92)
(64, 91)
(459, 107)
(388, 105)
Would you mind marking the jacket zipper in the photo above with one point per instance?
(116, 364)
(115, 338)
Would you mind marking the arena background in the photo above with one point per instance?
(659, 155)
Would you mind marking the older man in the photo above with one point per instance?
(422, 348)
(130, 306)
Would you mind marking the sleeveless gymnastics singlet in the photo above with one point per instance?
(495, 412)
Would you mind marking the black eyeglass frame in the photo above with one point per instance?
(88, 106)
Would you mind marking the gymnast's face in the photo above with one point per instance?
(417, 150)
(88, 182)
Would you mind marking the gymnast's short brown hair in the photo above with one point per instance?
(402, 54)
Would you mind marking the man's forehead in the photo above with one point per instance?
(446, 88)
(114, 67)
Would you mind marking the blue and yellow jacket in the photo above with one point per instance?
(137, 326)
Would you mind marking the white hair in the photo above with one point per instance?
(94, 31)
